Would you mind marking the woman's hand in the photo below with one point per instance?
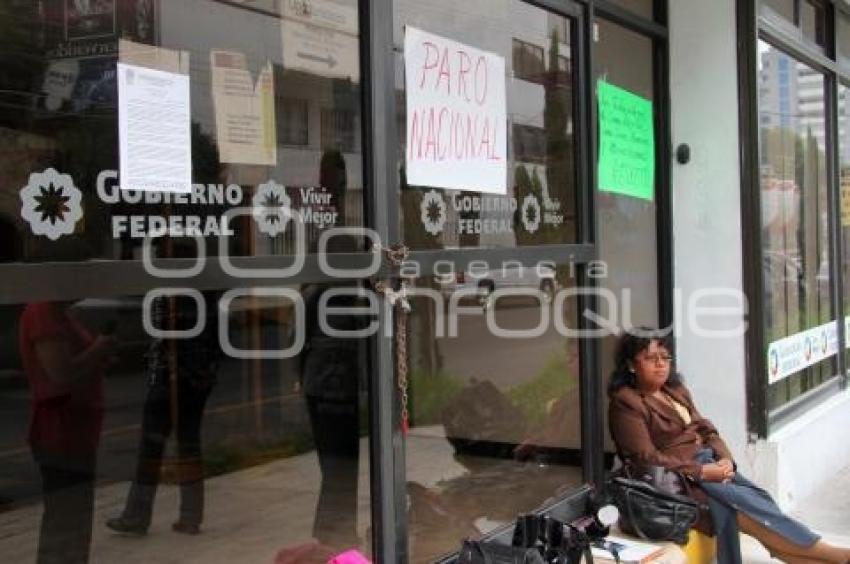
(728, 464)
(717, 472)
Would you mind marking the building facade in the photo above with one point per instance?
(337, 274)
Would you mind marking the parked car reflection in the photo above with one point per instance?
(483, 284)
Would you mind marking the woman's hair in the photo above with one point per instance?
(633, 342)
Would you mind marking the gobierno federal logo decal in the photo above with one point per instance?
(51, 204)
(433, 212)
(495, 213)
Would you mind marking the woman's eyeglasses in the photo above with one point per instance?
(656, 358)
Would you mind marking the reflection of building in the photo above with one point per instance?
(791, 95)
(778, 88)
(315, 109)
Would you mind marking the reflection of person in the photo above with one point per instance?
(330, 373)
(64, 364)
(654, 423)
(182, 373)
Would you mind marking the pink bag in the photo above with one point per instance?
(349, 557)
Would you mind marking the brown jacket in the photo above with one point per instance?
(649, 432)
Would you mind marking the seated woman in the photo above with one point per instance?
(654, 423)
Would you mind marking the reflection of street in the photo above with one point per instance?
(496, 392)
(261, 406)
(233, 417)
(456, 496)
(234, 531)
(478, 354)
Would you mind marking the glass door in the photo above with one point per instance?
(489, 196)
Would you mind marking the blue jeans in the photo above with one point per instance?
(725, 500)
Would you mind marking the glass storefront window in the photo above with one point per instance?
(539, 204)
(842, 41)
(795, 241)
(495, 417)
(804, 18)
(275, 121)
(813, 22)
(783, 8)
(265, 454)
(642, 8)
(627, 225)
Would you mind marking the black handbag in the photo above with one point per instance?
(558, 542)
(652, 506)
(489, 552)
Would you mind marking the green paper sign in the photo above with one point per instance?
(626, 142)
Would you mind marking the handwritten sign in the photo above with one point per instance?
(456, 119)
(626, 142)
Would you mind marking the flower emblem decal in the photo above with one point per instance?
(531, 213)
(433, 212)
(271, 208)
(51, 204)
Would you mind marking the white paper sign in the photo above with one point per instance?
(244, 111)
(320, 50)
(792, 354)
(154, 130)
(456, 120)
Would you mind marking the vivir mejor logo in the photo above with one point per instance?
(271, 208)
(531, 213)
(51, 204)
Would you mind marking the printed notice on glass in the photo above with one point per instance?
(244, 110)
(788, 356)
(626, 142)
(456, 120)
(154, 130)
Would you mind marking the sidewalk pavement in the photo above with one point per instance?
(255, 512)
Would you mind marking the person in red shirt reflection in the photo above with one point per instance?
(64, 364)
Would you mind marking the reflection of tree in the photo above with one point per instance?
(795, 236)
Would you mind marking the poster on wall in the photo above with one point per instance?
(154, 130)
(456, 115)
(794, 353)
(244, 110)
(626, 142)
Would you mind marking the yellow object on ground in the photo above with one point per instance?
(701, 549)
